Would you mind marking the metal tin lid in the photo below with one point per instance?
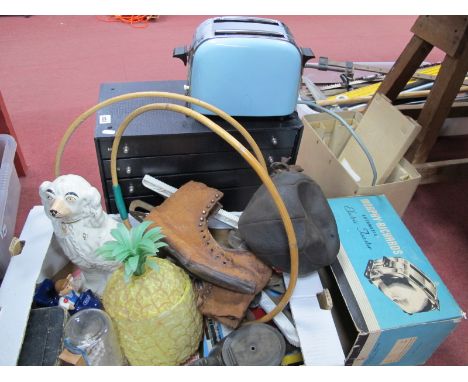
(254, 345)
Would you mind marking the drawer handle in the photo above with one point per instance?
(271, 159)
(128, 170)
(131, 189)
(125, 149)
(274, 141)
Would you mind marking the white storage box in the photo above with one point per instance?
(41, 258)
(9, 198)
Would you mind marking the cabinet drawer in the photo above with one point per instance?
(186, 164)
(234, 199)
(145, 146)
(216, 179)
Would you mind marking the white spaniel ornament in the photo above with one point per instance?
(81, 226)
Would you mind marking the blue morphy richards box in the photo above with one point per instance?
(401, 309)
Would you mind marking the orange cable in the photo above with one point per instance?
(134, 21)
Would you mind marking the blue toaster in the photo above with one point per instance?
(246, 66)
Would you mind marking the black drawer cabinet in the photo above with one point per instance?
(190, 163)
(224, 179)
(131, 147)
(177, 149)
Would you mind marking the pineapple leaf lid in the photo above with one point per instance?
(134, 248)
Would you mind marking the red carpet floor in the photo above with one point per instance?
(51, 68)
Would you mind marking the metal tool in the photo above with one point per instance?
(345, 66)
(359, 81)
(314, 90)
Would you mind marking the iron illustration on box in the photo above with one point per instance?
(399, 305)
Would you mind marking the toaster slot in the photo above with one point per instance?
(255, 20)
(228, 32)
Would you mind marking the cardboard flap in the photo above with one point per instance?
(387, 134)
(320, 344)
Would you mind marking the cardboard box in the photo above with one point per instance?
(394, 308)
(42, 258)
(322, 143)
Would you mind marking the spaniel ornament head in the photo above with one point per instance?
(70, 198)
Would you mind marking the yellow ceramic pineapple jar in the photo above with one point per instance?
(156, 316)
(154, 311)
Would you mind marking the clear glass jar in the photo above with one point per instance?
(91, 334)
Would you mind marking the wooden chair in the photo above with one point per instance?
(450, 34)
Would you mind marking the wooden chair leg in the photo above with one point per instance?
(438, 104)
(405, 66)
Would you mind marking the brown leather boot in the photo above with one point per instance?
(183, 219)
(224, 305)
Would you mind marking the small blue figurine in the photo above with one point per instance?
(63, 293)
(66, 290)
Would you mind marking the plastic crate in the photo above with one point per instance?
(9, 198)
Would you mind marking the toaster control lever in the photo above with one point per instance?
(182, 53)
(307, 54)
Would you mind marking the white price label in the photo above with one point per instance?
(104, 119)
